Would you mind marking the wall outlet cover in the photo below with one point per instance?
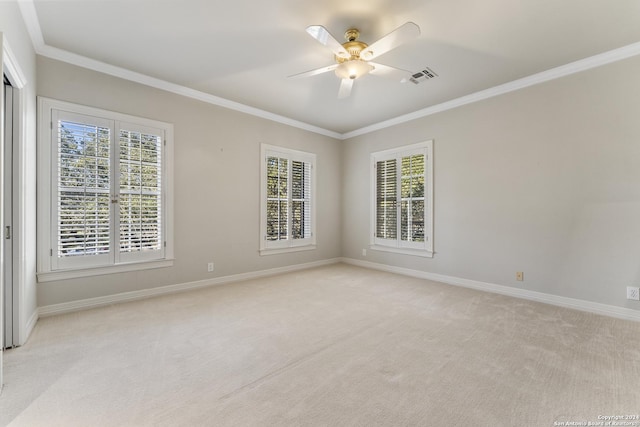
(633, 293)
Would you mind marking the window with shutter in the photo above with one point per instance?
(300, 200)
(287, 207)
(277, 198)
(108, 192)
(83, 189)
(140, 197)
(386, 200)
(412, 214)
(402, 200)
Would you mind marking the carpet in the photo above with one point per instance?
(335, 345)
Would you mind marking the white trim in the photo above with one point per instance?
(31, 323)
(287, 250)
(48, 267)
(424, 249)
(572, 303)
(54, 275)
(112, 70)
(534, 79)
(18, 80)
(289, 245)
(67, 307)
(10, 62)
(51, 103)
(30, 18)
(391, 152)
(168, 184)
(43, 222)
(405, 251)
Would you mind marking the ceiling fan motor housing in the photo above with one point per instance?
(352, 45)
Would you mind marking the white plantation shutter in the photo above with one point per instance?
(300, 200)
(400, 202)
(287, 198)
(277, 198)
(412, 210)
(140, 198)
(107, 190)
(386, 199)
(82, 190)
(402, 193)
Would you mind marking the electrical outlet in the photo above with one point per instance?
(633, 293)
(210, 267)
(364, 252)
(519, 276)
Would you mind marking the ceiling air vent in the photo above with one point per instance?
(425, 74)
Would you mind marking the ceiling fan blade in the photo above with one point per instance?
(382, 70)
(345, 88)
(314, 72)
(321, 34)
(402, 34)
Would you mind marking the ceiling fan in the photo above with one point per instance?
(353, 58)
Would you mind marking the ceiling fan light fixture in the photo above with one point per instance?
(353, 69)
(353, 55)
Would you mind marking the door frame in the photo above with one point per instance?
(9, 146)
(13, 71)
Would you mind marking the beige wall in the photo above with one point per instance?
(217, 183)
(545, 180)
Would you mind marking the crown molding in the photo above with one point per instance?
(12, 66)
(30, 17)
(534, 79)
(112, 70)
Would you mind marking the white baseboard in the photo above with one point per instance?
(84, 304)
(31, 323)
(573, 303)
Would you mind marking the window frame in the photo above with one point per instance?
(397, 245)
(289, 245)
(48, 266)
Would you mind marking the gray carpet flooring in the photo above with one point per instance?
(331, 346)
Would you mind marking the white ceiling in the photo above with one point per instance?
(243, 50)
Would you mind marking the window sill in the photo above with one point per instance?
(405, 251)
(52, 276)
(277, 251)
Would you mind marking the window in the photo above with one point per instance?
(402, 200)
(104, 192)
(287, 200)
